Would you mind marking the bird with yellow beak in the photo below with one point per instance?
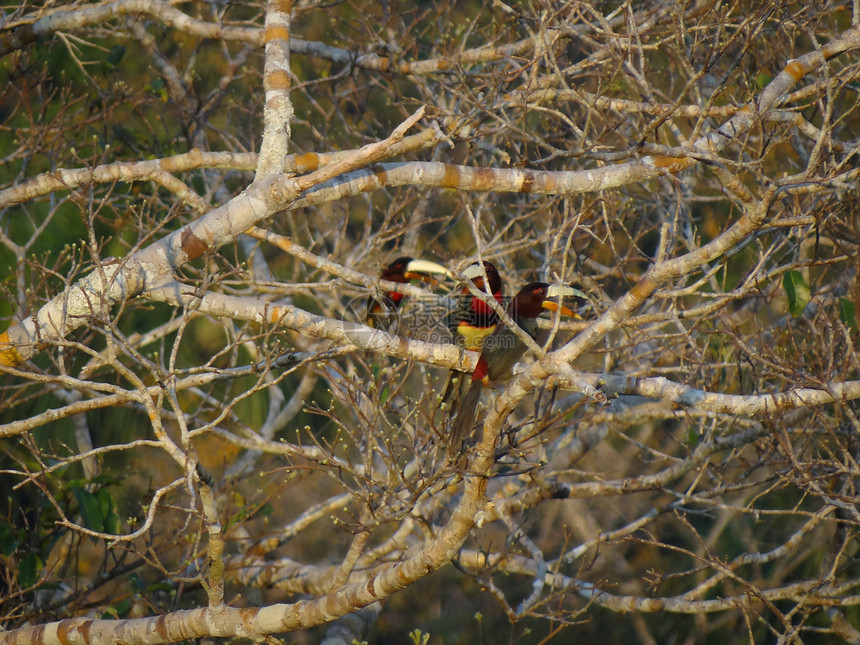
(503, 348)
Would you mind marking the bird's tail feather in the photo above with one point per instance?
(465, 419)
(461, 381)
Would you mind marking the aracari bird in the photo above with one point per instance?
(503, 348)
(471, 319)
(382, 311)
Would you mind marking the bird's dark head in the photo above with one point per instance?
(396, 271)
(536, 297)
(475, 272)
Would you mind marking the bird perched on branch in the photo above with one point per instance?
(471, 319)
(382, 311)
(503, 348)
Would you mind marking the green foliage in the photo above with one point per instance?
(10, 538)
(90, 510)
(119, 609)
(797, 291)
(848, 313)
(97, 510)
(29, 570)
(116, 54)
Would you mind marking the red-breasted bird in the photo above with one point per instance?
(382, 311)
(471, 320)
(503, 348)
